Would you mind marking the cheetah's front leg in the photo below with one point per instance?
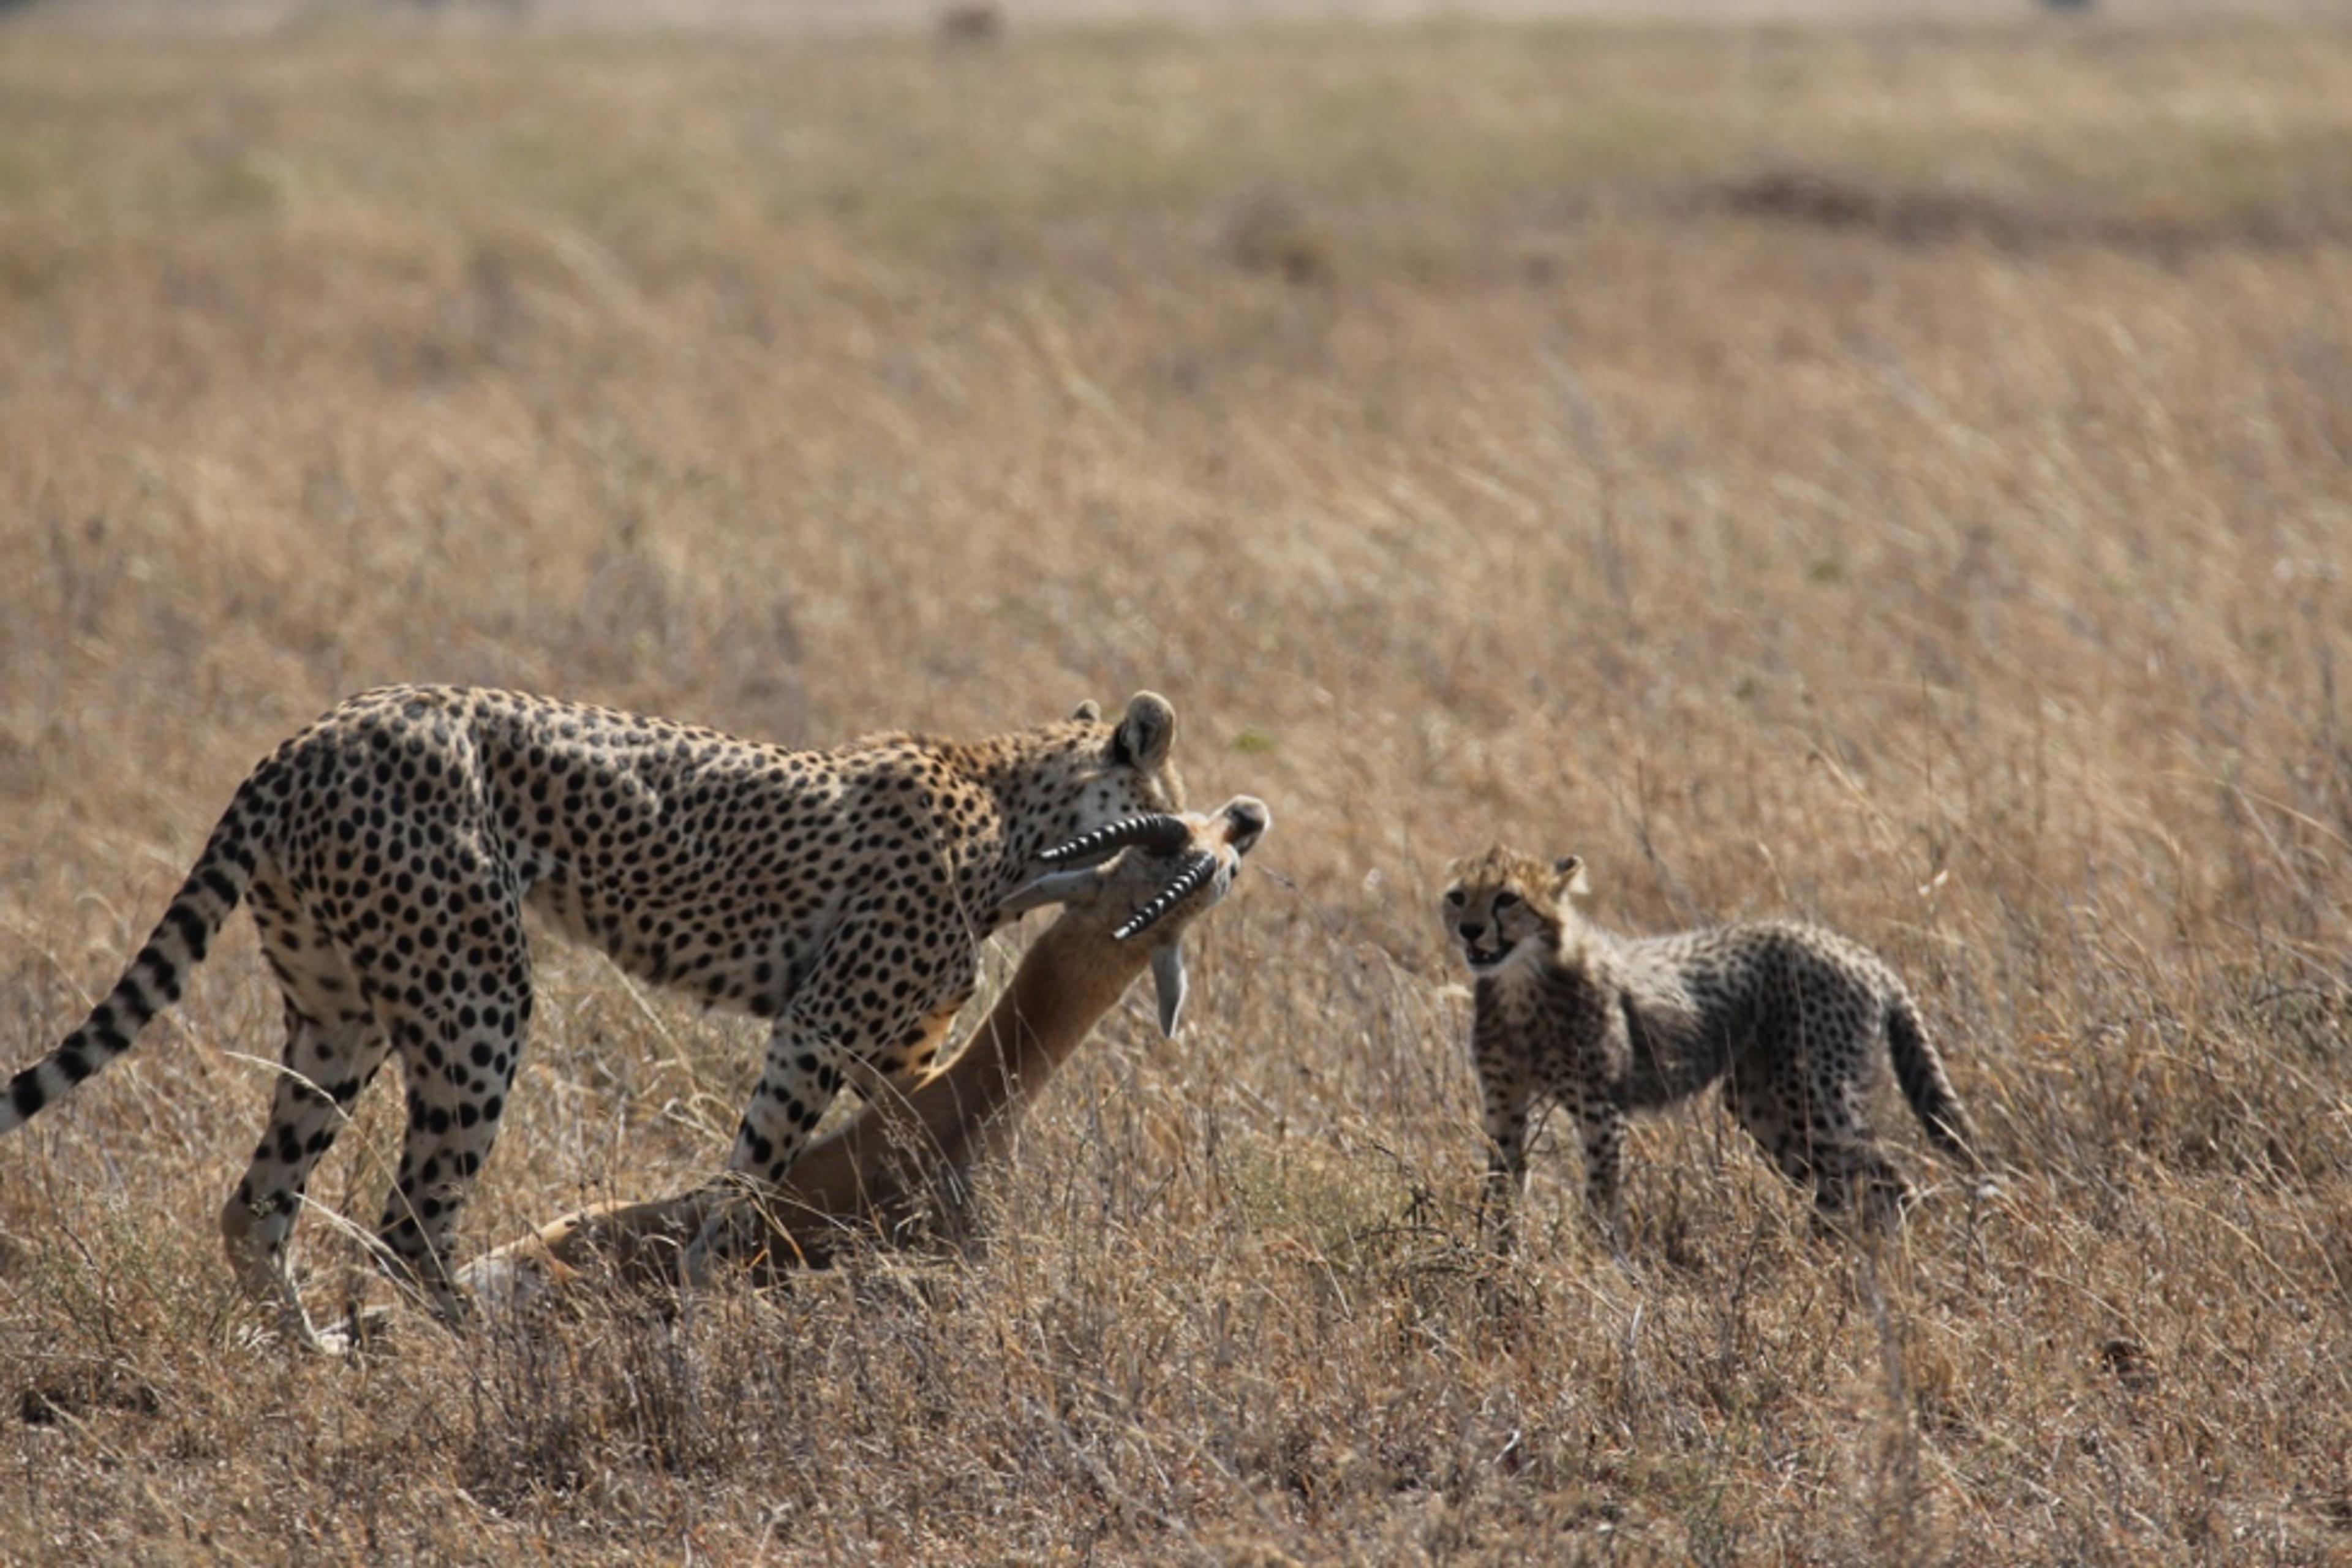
(1505, 1118)
(843, 1015)
(803, 1075)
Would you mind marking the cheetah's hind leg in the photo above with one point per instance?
(309, 1107)
(333, 1047)
(1832, 1155)
(1856, 1181)
(459, 1029)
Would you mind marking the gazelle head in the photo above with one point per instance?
(1181, 864)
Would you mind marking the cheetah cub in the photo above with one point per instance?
(1792, 1018)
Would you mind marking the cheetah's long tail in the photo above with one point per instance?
(157, 976)
(1920, 1071)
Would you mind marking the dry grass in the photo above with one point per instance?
(1895, 475)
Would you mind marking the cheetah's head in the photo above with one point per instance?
(1140, 753)
(1088, 771)
(1062, 782)
(1501, 903)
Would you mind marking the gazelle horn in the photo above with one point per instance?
(1159, 833)
(1196, 875)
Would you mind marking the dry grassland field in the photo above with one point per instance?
(1898, 475)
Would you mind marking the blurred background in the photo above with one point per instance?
(1883, 463)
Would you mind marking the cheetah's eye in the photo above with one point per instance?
(1453, 897)
(1506, 901)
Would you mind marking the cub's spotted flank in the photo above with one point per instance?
(1792, 1018)
(389, 850)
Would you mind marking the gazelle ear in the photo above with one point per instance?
(1168, 980)
(1090, 711)
(1568, 876)
(1146, 735)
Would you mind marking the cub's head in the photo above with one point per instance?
(1501, 903)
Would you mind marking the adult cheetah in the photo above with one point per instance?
(389, 850)
(1790, 1016)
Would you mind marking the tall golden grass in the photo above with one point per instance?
(1901, 477)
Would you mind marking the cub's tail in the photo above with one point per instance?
(1920, 1071)
(157, 976)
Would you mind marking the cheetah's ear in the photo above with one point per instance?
(1146, 735)
(1568, 876)
(1089, 711)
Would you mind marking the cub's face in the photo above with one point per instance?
(1503, 903)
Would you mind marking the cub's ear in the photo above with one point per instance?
(1090, 711)
(1146, 735)
(1568, 874)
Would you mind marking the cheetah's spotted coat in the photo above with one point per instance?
(1793, 1018)
(389, 850)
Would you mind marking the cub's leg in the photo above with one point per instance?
(1506, 1094)
(1767, 1100)
(1816, 1136)
(1859, 1178)
(1850, 1172)
(1601, 1123)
